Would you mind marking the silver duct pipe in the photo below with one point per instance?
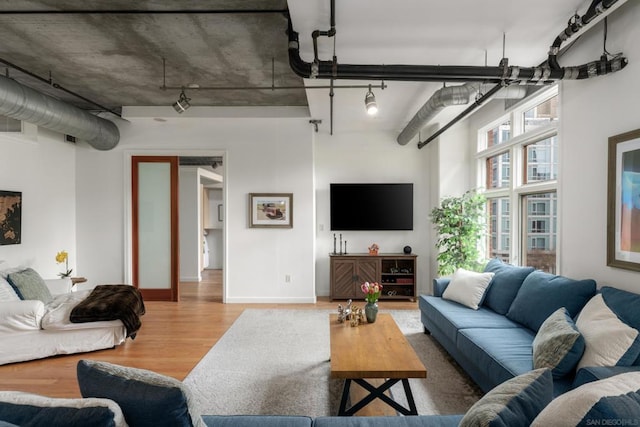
(23, 103)
(453, 95)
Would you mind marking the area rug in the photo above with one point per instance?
(276, 362)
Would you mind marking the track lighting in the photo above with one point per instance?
(370, 103)
(182, 104)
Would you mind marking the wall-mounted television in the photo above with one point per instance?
(371, 206)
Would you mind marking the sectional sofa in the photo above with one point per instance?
(117, 396)
(524, 319)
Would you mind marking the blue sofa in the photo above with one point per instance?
(115, 395)
(495, 342)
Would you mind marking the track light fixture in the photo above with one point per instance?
(370, 103)
(182, 104)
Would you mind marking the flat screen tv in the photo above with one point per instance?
(371, 206)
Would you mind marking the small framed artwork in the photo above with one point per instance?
(10, 217)
(623, 201)
(272, 210)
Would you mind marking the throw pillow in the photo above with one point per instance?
(612, 401)
(146, 398)
(505, 284)
(34, 410)
(467, 287)
(29, 285)
(543, 293)
(7, 293)
(624, 304)
(515, 402)
(608, 340)
(558, 345)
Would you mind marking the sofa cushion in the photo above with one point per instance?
(34, 410)
(256, 420)
(146, 398)
(513, 403)
(20, 316)
(500, 353)
(558, 345)
(450, 316)
(624, 304)
(542, 293)
(612, 401)
(505, 284)
(594, 373)
(467, 287)
(7, 293)
(389, 421)
(29, 285)
(608, 340)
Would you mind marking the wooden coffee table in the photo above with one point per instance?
(373, 350)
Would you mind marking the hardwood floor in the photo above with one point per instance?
(171, 341)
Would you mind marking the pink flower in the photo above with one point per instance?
(371, 291)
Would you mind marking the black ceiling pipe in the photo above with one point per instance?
(434, 73)
(574, 25)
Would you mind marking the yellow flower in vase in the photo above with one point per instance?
(61, 257)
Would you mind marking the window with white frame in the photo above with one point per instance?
(518, 164)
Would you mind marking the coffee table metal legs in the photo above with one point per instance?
(377, 393)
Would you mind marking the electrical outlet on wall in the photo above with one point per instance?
(287, 278)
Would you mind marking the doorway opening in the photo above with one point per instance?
(199, 231)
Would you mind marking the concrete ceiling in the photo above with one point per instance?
(116, 59)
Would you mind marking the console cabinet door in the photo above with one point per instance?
(368, 271)
(343, 274)
(347, 274)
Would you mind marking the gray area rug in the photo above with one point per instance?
(276, 362)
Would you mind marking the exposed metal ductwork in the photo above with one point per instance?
(23, 103)
(501, 77)
(453, 95)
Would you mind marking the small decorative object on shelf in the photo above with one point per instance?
(373, 249)
(357, 316)
(371, 294)
(61, 257)
(344, 313)
(353, 314)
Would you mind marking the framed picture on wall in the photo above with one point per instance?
(271, 210)
(10, 217)
(623, 204)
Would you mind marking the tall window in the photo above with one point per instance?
(518, 159)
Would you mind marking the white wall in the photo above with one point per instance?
(42, 166)
(371, 158)
(189, 219)
(262, 153)
(592, 111)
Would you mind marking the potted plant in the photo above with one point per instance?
(460, 223)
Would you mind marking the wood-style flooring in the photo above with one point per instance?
(174, 336)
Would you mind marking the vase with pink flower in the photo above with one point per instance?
(371, 294)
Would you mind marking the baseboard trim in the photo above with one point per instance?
(269, 300)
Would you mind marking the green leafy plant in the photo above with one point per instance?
(460, 223)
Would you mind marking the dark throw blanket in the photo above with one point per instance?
(111, 302)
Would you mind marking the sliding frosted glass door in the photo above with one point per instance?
(155, 230)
